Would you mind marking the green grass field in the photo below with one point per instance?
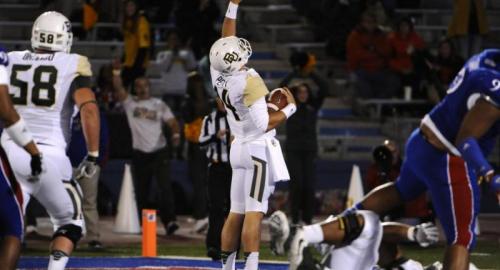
(485, 256)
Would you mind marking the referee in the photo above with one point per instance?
(215, 137)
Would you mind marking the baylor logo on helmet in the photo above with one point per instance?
(231, 57)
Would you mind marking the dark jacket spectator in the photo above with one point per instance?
(197, 18)
(301, 151)
(448, 62)
(303, 71)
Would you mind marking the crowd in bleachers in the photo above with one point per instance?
(384, 55)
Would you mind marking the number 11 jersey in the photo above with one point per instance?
(41, 87)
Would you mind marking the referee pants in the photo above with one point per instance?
(145, 166)
(219, 189)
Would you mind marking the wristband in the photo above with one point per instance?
(411, 234)
(93, 154)
(472, 154)
(289, 110)
(232, 11)
(117, 72)
(19, 133)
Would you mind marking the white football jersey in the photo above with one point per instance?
(239, 91)
(40, 87)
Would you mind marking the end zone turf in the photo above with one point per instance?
(168, 263)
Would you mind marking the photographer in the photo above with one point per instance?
(386, 168)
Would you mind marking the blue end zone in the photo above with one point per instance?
(132, 262)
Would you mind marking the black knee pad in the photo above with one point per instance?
(70, 231)
(350, 225)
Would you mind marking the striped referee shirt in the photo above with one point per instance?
(217, 149)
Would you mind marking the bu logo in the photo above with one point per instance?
(231, 57)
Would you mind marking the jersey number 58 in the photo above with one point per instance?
(43, 92)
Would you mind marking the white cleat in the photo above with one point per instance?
(297, 247)
(279, 230)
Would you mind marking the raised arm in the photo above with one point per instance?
(120, 92)
(229, 24)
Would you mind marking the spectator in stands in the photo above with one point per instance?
(304, 71)
(146, 116)
(443, 69)
(77, 151)
(368, 52)
(405, 43)
(196, 19)
(467, 26)
(104, 89)
(301, 151)
(215, 138)
(158, 11)
(137, 40)
(86, 15)
(195, 107)
(386, 168)
(175, 63)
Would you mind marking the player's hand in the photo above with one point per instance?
(36, 167)
(289, 96)
(87, 168)
(221, 133)
(426, 234)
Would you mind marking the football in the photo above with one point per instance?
(276, 100)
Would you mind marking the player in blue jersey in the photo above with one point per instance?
(446, 156)
(11, 199)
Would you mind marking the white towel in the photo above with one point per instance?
(277, 165)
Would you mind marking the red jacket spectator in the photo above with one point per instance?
(404, 43)
(367, 46)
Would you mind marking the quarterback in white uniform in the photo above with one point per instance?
(256, 157)
(46, 84)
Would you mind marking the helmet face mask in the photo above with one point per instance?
(230, 54)
(52, 32)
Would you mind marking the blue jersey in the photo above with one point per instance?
(479, 78)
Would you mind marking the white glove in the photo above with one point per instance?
(424, 234)
(87, 168)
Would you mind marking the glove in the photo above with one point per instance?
(4, 58)
(425, 234)
(87, 168)
(36, 167)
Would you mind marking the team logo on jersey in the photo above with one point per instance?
(496, 85)
(231, 57)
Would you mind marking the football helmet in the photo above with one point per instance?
(52, 32)
(229, 54)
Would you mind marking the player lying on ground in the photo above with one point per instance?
(256, 158)
(446, 156)
(46, 85)
(11, 198)
(363, 252)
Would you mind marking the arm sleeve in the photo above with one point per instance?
(166, 112)
(322, 91)
(255, 89)
(259, 114)
(206, 137)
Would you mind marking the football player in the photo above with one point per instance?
(446, 155)
(256, 158)
(11, 198)
(45, 85)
